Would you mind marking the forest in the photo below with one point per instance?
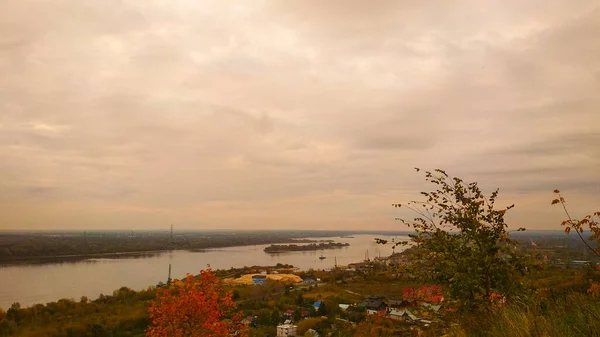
(309, 247)
(20, 247)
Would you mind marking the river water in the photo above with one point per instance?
(31, 284)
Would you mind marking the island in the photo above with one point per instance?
(296, 248)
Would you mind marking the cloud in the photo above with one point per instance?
(562, 145)
(280, 114)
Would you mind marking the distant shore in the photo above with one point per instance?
(18, 249)
(23, 260)
(274, 249)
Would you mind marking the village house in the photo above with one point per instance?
(432, 307)
(317, 305)
(396, 308)
(375, 305)
(343, 307)
(286, 330)
(311, 333)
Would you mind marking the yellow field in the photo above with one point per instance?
(247, 279)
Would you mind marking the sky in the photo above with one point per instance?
(122, 114)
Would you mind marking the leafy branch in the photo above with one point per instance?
(578, 225)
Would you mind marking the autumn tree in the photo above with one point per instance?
(591, 221)
(306, 324)
(462, 242)
(375, 326)
(578, 225)
(195, 307)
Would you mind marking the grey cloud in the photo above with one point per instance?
(310, 110)
(376, 141)
(587, 143)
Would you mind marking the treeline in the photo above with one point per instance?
(38, 247)
(123, 314)
(312, 246)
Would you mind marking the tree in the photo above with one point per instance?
(195, 307)
(306, 324)
(592, 221)
(322, 311)
(14, 313)
(461, 241)
(275, 318)
(578, 225)
(375, 326)
(235, 295)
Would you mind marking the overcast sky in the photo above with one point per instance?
(119, 114)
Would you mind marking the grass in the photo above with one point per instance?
(560, 314)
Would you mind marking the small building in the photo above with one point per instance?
(409, 316)
(259, 279)
(249, 320)
(397, 314)
(311, 333)
(400, 304)
(344, 307)
(286, 330)
(317, 305)
(403, 315)
(393, 304)
(432, 307)
(289, 313)
(375, 305)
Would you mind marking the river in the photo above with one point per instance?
(42, 283)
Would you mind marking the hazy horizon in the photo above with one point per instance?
(292, 115)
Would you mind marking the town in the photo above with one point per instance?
(276, 302)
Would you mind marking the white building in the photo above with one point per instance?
(286, 330)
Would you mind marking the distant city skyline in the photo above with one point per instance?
(292, 114)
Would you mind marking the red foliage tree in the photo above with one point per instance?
(195, 307)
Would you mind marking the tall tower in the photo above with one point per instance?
(169, 279)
